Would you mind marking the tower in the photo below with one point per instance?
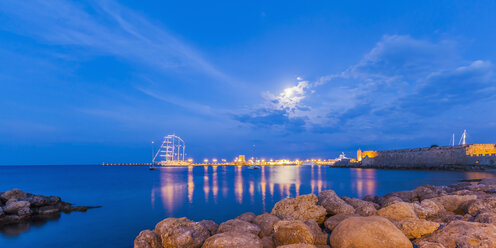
(359, 155)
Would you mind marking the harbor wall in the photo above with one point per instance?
(470, 155)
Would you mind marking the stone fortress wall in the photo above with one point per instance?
(474, 154)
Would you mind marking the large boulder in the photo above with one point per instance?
(455, 203)
(363, 208)
(53, 200)
(14, 194)
(268, 242)
(334, 220)
(320, 237)
(38, 200)
(368, 232)
(181, 232)
(480, 205)
(333, 204)
(237, 225)
(445, 217)
(463, 234)
(427, 192)
(416, 228)
(210, 225)
(406, 196)
(398, 211)
(486, 217)
(300, 208)
(147, 239)
(1, 212)
(233, 240)
(386, 201)
(292, 232)
(427, 244)
(14, 207)
(426, 209)
(24, 212)
(247, 217)
(266, 222)
(297, 246)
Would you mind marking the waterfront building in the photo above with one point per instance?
(465, 154)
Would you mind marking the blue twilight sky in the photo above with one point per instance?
(88, 82)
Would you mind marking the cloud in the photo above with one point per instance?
(105, 27)
(284, 110)
(198, 108)
(398, 84)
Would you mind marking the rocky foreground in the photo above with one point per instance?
(17, 206)
(460, 215)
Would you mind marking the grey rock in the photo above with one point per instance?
(363, 208)
(333, 204)
(14, 207)
(14, 194)
(48, 210)
(38, 200)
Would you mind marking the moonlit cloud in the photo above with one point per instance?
(401, 78)
(289, 99)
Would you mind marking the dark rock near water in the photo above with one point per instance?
(13, 194)
(17, 206)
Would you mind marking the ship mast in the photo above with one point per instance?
(463, 138)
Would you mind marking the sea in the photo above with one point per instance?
(134, 198)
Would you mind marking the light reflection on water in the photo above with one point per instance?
(263, 187)
(135, 198)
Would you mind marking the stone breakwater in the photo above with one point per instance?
(459, 215)
(17, 206)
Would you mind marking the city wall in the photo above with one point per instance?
(434, 157)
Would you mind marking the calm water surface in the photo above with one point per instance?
(135, 198)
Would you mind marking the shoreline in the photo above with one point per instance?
(457, 215)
